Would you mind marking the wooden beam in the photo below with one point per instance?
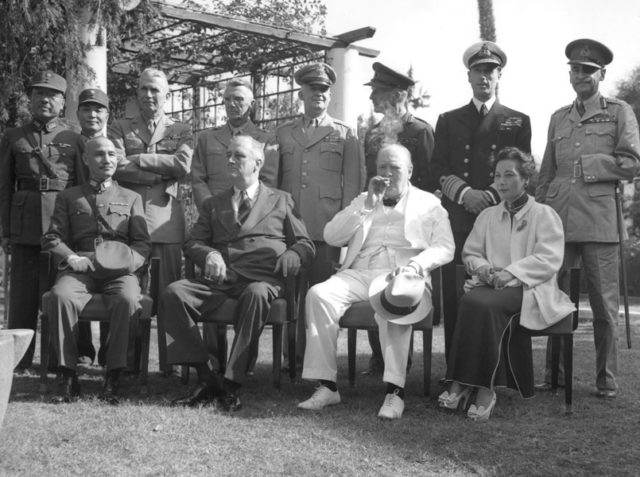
(219, 21)
(357, 35)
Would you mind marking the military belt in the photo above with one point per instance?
(89, 244)
(42, 184)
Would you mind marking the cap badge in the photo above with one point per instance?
(484, 51)
(586, 51)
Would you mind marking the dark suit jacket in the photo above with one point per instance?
(251, 250)
(464, 143)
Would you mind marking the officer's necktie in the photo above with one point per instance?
(311, 129)
(483, 110)
(244, 207)
(152, 126)
(580, 108)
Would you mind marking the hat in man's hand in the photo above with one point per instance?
(403, 299)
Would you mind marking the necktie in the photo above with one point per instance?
(152, 126)
(311, 129)
(483, 110)
(580, 108)
(244, 207)
(389, 201)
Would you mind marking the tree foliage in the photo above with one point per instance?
(629, 90)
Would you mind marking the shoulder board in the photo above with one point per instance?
(563, 108)
(613, 100)
(287, 124)
(341, 123)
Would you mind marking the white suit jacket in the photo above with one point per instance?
(426, 227)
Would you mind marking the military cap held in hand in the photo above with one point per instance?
(588, 52)
(48, 79)
(385, 77)
(94, 95)
(484, 52)
(316, 73)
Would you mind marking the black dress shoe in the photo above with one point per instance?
(68, 390)
(202, 394)
(230, 402)
(110, 390)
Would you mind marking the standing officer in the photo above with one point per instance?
(36, 162)
(592, 143)
(84, 216)
(320, 166)
(389, 93)
(93, 114)
(466, 138)
(209, 169)
(155, 156)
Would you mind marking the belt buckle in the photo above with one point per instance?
(43, 183)
(577, 171)
(97, 241)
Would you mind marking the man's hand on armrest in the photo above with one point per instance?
(214, 267)
(288, 263)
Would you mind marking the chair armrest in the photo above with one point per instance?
(47, 275)
(295, 287)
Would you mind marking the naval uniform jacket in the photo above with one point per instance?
(252, 249)
(415, 134)
(154, 166)
(464, 143)
(324, 173)
(75, 228)
(584, 158)
(37, 161)
(209, 169)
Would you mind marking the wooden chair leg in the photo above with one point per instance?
(44, 351)
(221, 331)
(291, 340)
(555, 362)
(427, 341)
(568, 373)
(184, 374)
(145, 337)
(277, 354)
(351, 354)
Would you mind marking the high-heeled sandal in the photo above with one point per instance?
(455, 401)
(481, 413)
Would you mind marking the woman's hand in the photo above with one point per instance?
(501, 278)
(485, 274)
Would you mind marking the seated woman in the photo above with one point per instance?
(513, 254)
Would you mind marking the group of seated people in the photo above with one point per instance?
(250, 237)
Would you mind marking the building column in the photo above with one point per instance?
(95, 58)
(344, 94)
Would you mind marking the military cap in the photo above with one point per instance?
(93, 95)
(588, 52)
(484, 52)
(316, 73)
(385, 77)
(48, 79)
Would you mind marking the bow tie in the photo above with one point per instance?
(389, 201)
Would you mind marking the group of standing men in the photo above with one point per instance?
(320, 168)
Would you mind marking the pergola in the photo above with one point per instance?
(199, 50)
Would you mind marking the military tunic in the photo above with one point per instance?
(209, 170)
(37, 161)
(75, 230)
(584, 157)
(414, 134)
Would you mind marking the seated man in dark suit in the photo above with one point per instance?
(85, 216)
(239, 244)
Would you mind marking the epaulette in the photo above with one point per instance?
(612, 100)
(287, 124)
(341, 123)
(563, 108)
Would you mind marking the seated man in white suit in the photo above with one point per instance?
(393, 230)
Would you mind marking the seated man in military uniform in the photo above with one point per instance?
(84, 217)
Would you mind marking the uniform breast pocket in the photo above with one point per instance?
(62, 158)
(81, 215)
(167, 146)
(600, 137)
(331, 156)
(134, 145)
(118, 217)
(561, 142)
(287, 153)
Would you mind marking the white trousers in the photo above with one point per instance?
(325, 304)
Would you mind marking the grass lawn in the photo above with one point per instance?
(269, 436)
